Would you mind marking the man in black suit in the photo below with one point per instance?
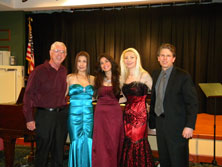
(173, 109)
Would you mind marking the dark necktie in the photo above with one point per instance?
(160, 95)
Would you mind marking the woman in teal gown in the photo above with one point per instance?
(80, 120)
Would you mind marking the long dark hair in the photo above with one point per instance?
(100, 75)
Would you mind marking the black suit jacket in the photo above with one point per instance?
(180, 102)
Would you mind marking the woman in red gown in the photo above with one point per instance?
(136, 82)
(108, 132)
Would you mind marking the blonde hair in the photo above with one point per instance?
(124, 71)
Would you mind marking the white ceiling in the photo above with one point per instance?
(35, 5)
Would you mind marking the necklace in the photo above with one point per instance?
(107, 80)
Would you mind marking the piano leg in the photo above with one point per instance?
(31, 156)
(9, 150)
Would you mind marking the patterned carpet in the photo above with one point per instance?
(21, 159)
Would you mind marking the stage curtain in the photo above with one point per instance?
(195, 30)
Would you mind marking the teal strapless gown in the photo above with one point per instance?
(80, 125)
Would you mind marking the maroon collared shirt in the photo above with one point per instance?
(46, 88)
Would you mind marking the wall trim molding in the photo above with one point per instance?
(8, 35)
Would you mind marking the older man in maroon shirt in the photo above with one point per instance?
(45, 91)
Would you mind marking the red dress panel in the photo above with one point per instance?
(136, 149)
(108, 130)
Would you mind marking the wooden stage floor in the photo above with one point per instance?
(204, 130)
(205, 126)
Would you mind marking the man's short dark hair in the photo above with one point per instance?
(171, 47)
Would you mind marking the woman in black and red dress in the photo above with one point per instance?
(135, 84)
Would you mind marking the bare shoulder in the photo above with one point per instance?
(145, 76)
(91, 79)
(70, 77)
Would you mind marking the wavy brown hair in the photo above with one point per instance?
(100, 75)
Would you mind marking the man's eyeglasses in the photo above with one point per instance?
(59, 51)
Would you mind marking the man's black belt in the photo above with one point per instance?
(57, 109)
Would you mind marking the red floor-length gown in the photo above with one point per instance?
(108, 132)
(136, 149)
